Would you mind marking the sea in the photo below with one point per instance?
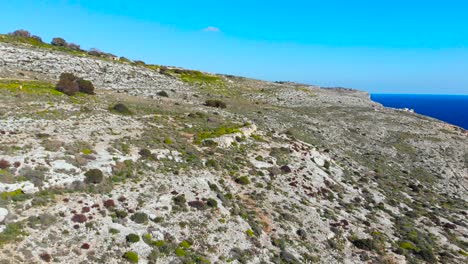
(452, 109)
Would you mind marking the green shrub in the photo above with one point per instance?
(244, 180)
(132, 238)
(179, 200)
(139, 218)
(407, 245)
(215, 103)
(121, 213)
(180, 252)
(85, 86)
(145, 153)
(212, 203)
(131, 256)
(185, 244)
(121, 109)
(94, 176)
(163, 94)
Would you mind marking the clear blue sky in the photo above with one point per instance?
(380, 46)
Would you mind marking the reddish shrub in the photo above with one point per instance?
(4, 164)
(45, 257)
(85, 246)
(17, 164)
(67, 84)
(109, 204)
(21, 33)
(74, 46)
(85, 209)
(79, 218)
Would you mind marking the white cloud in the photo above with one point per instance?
(212, 29)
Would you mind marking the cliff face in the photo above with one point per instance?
(286, 173)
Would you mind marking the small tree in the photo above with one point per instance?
(67, 84)
(60, 42)
(74, 46)
(21, 33)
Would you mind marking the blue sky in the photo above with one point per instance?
(379, 46)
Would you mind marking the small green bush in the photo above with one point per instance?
(185, 244)
(179, 200)
(121, 109)
(139, 218)
(94, 176)
(163, 94)
(85, 86)
(132, 238)
(131, 256)
(121, 213)
(180, 252)
(212, 202)
(215, 103)
(145, 153)
(244, 180)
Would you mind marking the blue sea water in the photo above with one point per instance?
(452, 109)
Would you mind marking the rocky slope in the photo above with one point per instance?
(287, 173)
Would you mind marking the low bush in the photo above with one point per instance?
(132, 238)
(85, 86)
(215, 103)
(94, 176)
(145, 153)
(163, 94)
(79, 218)
(199, 205)
(67, 84)
(121, 109)
(4, 164)
(21, 33)
(60, 42)
(212, 203)
(131, 256)
(74, 46)
(244, 180)
(139, 218)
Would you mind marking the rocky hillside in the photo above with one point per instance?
(145, 172)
